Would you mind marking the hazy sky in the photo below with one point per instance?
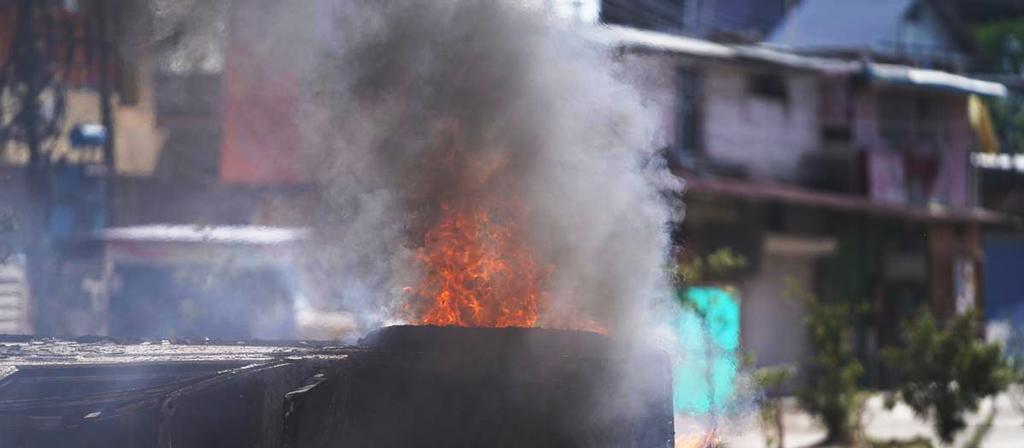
(582, 10)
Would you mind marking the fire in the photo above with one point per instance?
(478, 268)
(477, 271)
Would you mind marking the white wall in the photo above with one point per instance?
(772, 325)
(766, 136)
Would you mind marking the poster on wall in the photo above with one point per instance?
(950, 187)
(887, 177)
(965, 286)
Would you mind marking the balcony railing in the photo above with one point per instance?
(926, 55)
(919, 137)
(890, 176)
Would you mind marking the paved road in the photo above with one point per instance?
(881, 424)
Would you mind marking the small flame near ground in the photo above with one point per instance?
(709, 440)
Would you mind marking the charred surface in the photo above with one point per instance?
(512, 387)
(401, 387)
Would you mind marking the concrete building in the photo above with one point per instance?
(164, 86)
(844, 177)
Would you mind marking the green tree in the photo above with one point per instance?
(1008, 118)
(769, 380)
(1001, 50)
(830, 392)
(722, 261)
(947, 371)
(1001, 46)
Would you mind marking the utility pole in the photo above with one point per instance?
(106, 109)
(28, 70)
(27, 59)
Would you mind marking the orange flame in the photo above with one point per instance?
(709, 440)
(477, 273)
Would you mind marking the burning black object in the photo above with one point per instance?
(400, 387)
(448, 386)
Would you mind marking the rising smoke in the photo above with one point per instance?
(409, 106)
(415, 105)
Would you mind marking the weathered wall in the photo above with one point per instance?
(929, 131)
(948, 244)
(772, 325)
(767, 136)
(18, 217)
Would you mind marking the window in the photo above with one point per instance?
(768, 86)
(658, 15)
(915, 13)
(912, 122)
(688, 122)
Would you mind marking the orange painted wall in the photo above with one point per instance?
(261, 101)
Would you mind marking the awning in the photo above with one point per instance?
(775, 192)
(172, 244)
(902, 75)
(637, 39)
(178, 233)
(999, 162)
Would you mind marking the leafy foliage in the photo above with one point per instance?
(769, 380)
(720, 262)
(1000, 45)
(831, 392)
(947, 371)
(1008, 118)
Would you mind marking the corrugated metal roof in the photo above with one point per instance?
(918, 77)
(846, 24)
(775, 56)
(999, 162)
(631, 38)
(179, 233)
(626, 37)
